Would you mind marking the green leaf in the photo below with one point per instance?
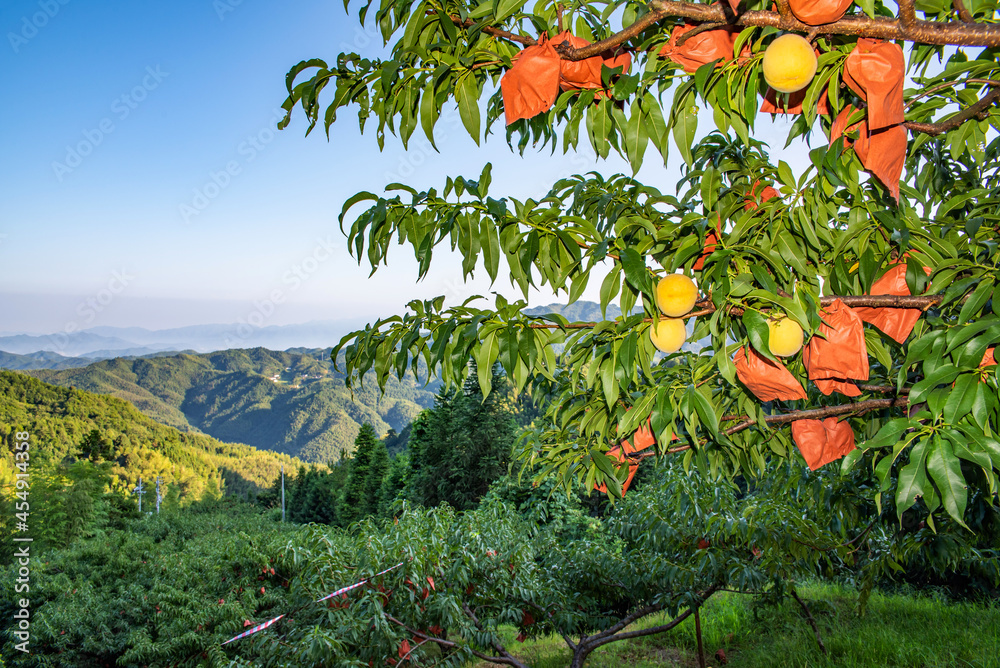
(505, 9)
(942, 375)
(634, 265)
(685, 126)
(946, 471)
(608, 381)
(758, 333)
(889, 434)
(960, 400)
(467, 97)
(912, 479)
(977, 300)
(704, 409)
(485, 357)
(635, 137)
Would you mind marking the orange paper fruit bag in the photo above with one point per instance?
(701, 49)
(895, 322)
(842, 354)
(822, 441)
(818, 12)
(768, 381)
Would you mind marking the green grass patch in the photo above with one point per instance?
(898, 630)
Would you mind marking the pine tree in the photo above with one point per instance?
(394, 484)
(458, 448)
(490, 428)
(370, 463)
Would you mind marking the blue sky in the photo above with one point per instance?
(123, 117)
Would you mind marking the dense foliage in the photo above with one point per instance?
(87, 453)
(454, 452)
(169, 589)
(827, 232)
(288, 402)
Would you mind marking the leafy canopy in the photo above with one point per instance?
(928, 416)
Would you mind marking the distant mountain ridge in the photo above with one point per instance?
(99, 343)
(108, 342)
(581, 311)
(288, 402)
(41, 360)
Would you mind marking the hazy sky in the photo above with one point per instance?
(144, 182)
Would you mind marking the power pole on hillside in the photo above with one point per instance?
(140, 491)
(282, 493)
(159, 497)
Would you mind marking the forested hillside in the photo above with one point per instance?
(67, 425)
(290, 402)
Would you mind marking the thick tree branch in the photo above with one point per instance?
(906, 27)
(705, 307)
(977, 110)
(786, 418)
(907, 13)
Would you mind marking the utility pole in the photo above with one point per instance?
(282, 493)
(140, 491)
(159, 497)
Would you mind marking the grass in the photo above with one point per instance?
(904, 631)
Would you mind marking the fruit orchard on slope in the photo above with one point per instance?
(892, 228)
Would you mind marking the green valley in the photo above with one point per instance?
(290, 402)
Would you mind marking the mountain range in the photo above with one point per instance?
(108, 342)
(290, 402)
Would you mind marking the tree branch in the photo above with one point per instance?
(495, 32)
(809, 617)
(705, 307)
(452, 645)
(604, 640)
(652, 18)
(625, 621)
(907, 13)
(962, 12)
(966, 32)
(977, 110)
(496, 644)
(824, 412)
(704, 27)
(786, 418)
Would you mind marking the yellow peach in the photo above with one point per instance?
(789, 63)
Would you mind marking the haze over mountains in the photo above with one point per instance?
(107, 342)
(229, 381)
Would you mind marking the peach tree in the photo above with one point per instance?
(883, 248)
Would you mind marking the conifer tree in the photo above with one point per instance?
(370, 463)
